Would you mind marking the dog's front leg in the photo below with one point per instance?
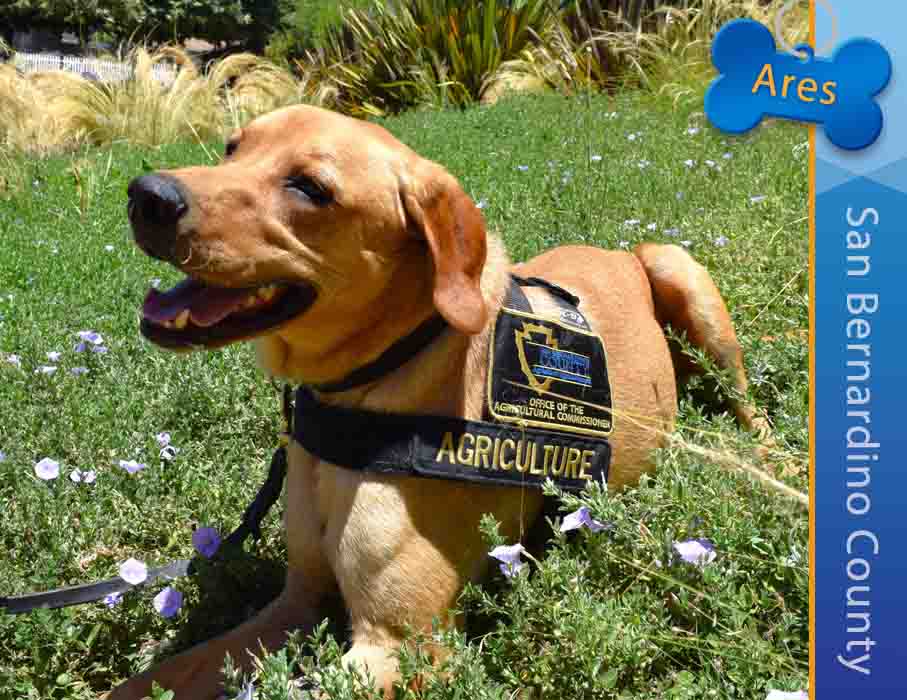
(196, 673)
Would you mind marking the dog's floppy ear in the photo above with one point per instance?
(439, 211)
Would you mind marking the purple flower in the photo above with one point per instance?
(2, 456)
(672, 232)
(651, 227)
(595, 158)
(131, 466)
(509, 556)
(155, 282)
(482, 203)
(78, 371)
(679, 196)
(686, 244)
(133, 571)
(756, 199)
(99, 349)
(698, 552)
(785, 695)
(690, 163)
(47, 469)
(46, 369)
(206, 541)
(91, 337)
(728, 155)
(77, 476)
(54, 356)
(722, 241)
(632, 222)
(522, 168)
(581, 518)
(168, 602)
(113, 599)
(634, 136)
(163, 439)
(14, 360)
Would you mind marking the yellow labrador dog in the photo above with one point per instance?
(325, 240)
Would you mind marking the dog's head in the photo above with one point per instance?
(313, 228)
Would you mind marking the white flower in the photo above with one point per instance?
(47, 469)
(785, 695)
(692, 131)
(77, 475)
(697, 552)
(133, 571)
(54, 356)
(690, 163)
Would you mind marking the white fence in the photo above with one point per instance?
(107, 71)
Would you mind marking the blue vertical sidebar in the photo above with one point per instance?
(860, 384)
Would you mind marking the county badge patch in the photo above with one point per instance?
(548, 374)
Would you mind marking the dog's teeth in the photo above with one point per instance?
(180, 321)
(267, 293)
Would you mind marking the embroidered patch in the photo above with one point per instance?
(547, 374)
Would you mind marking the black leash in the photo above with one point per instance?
(251, 525)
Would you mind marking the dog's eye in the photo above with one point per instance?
(313, 190)
(230, 149)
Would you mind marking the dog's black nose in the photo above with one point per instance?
(156, 204)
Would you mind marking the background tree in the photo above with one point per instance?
(247, 22)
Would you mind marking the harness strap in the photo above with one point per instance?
(443, 447)
(393, 358)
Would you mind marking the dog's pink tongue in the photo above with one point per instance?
(206, 305)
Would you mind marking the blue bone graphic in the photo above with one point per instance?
(857, 72)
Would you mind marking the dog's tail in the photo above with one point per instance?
(687, 299)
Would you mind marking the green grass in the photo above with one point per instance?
(597, 618)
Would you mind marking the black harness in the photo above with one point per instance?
(531, 432)
(525, 447)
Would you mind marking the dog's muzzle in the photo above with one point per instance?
(156, 205)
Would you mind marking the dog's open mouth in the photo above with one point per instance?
(194, 314)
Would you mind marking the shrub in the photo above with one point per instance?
(607, 44)
(143, 110)
(402, 54)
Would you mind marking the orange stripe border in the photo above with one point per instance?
(812, 382)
